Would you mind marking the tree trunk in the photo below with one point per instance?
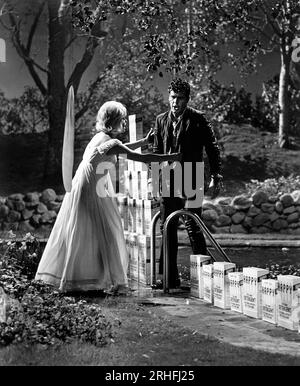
(56, 93)
(284, 98)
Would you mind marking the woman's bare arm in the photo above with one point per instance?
(137, 144)
(146, 157)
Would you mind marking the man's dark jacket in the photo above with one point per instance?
(194, 135)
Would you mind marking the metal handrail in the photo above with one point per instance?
(166, 240)
(153, 248)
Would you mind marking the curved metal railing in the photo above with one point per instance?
(166, 241)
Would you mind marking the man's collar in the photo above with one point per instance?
(177, 119)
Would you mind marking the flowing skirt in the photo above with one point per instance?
(86, 249)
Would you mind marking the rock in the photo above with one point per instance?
(32, 197)
(241, 202)
(220, 230)
(10, 204)
(267, 207)
(54, 205)
(289, 210)
(31, 205)
(27, 214)
(238, 217)
(223, 221)
(4, 210)
(210, 215)
(47, 217)
(25, 226)
(223, 201)
(208, 205)
(259, 197)
(260, 219)
(35, 219)
(228, 210)
(279, 207)
(259, 230)
(48, 195)
(274, 216)
(287, 200)
(296, 196)
(13, 216)
(19, 206)
(273, 199)
(41, 208)
(60, 197)
(279, 224)
(248, 222)
(12, 226)
(16, 197)
(253, 211)
(294, 225)
(237, 229)
(293, 217)
(296, 231)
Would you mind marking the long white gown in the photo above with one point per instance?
(86, 249)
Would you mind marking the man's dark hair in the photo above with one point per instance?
(178, 85)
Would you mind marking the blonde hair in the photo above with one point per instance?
(109, 114)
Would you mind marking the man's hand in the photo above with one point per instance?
(217, 185)
(150, 136)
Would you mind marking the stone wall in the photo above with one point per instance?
(29, 212)
(259, 213)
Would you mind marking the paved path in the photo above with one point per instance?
(225, 325)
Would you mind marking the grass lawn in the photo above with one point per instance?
(142, 338)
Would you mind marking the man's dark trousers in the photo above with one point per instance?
(169, 205)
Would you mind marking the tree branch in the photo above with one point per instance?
(34, 26)
(87, 56)
(22, 51)
(91, 91)
(266, 12)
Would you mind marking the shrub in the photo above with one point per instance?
(36, 313)
(274, 186)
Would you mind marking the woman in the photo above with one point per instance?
(86, 249)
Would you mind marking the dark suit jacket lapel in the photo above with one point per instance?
(168, 127)
(184, 126)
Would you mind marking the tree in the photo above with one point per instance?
(103, 25)
(260, 27)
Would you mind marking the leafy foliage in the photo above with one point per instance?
(248, 153)
(26, 114)
(38, 314)
(275, 186)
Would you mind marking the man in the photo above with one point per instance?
(185, 130)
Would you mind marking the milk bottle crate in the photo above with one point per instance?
(131, 215)
(122, 203)
(269, 290)
(236, 291)
(252, 291)
(196, 274)
(288, 301)
(138, 247)
(221, 283)
(208, 282)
